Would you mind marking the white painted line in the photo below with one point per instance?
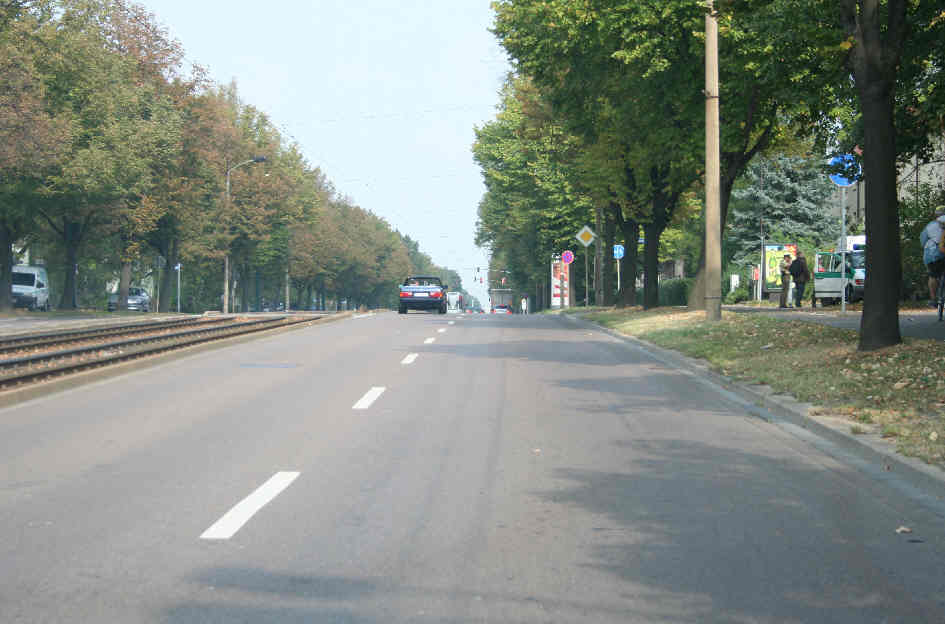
(233, 520)
(360, 316)
(409, 359)
(369, 397)
(441, 330)
(429, 341)
(452, 322)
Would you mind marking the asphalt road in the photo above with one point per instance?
(428, 468)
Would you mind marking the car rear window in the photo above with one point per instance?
(24, 279)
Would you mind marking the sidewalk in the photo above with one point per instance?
(912, 323)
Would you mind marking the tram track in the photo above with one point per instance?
(138, 340)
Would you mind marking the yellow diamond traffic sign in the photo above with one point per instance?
(586, 236)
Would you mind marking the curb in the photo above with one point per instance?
(869, 452)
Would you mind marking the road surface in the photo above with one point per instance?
(428, 468)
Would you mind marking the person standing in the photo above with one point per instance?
(932, 255)
(785, 268)
(801, 275)
(524, 305)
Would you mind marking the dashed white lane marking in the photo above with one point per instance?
(369, 397)
(235, 518)
(452, 322)
(429, 341)
(409, 359)
(441, 330)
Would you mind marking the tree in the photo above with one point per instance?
(32, 141)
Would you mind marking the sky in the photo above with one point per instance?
(381, 95)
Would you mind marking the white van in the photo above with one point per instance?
(30, 287)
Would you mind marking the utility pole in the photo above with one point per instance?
(713, 224)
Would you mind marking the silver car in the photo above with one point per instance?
(138, 299)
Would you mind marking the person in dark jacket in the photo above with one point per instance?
(801, 275)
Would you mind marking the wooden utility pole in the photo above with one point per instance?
(713, 226)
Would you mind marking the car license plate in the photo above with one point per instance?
(421, 294)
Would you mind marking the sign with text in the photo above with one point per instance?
(560, 284)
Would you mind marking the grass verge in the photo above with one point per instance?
(898, 392)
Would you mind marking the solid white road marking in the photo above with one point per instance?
(369, 397)
(409, 359)
(360, 316)
(429, 341)
(235, 518)
(441, 330)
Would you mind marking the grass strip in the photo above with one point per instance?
(898, 392)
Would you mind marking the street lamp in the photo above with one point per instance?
(226, 258)
(178, 267)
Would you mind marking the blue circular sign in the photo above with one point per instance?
(847, 161)
(567, 257)
(618, 251)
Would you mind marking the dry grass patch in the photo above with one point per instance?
(898, 391)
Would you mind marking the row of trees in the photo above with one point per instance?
(603, 122)
(117, 163)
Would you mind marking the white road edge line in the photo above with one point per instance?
(410, 358)
(369, 397)
(361, 316)
(429, 341)
(233, 520)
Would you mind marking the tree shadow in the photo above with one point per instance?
(742, 537)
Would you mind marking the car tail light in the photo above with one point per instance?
(436, 294)
(859, 282)
(405, 294)
(508, 310)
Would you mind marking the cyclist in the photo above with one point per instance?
(932, 255)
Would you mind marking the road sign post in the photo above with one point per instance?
(586, 236)
(618, 255)
(843, 181)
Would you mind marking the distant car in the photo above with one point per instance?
(502, 309)
(30, 287)
(422, 292)
(138, 299)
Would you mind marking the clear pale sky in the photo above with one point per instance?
(382, 95)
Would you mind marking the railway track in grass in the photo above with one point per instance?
(33, 358)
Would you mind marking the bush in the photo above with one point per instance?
(672, 292)
(738, 295)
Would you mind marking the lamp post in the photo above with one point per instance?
(178, 267)
(226, 258)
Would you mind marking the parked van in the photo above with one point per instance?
(30, 287)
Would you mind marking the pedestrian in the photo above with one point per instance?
(932, 255)
(524, 305)
(785, 268)
(801, 275)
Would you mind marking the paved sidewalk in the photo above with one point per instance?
(913, 323)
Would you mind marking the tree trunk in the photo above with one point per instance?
(71, 239)
(124, 282)
(879, 324)
(628, 265)
(600, 286)
(169, 277)
(6, 269)
(609, 274)
(651, 264)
